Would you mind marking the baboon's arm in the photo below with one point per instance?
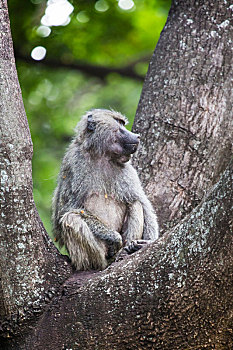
(151, 228)
(133, 227)
(141, 226)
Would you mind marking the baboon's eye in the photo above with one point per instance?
(91, 124)
(120, 121)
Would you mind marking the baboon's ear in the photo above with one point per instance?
(91, 124)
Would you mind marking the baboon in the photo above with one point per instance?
(99, 205)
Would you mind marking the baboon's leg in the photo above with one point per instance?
(85, 251)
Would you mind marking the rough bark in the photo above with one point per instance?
(185, 111)
(175, 293)
(30, 267)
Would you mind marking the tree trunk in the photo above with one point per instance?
(31, 269)
(177, 292)
(185, 111)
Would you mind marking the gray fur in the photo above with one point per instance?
(99, 203)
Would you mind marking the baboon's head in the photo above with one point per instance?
(102, 132)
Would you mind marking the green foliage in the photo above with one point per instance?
(56, 98)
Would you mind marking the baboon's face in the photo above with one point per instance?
(106, 135)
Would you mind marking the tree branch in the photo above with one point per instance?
(89, 69)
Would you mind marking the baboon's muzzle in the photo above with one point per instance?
(131, 148)
(130, 142)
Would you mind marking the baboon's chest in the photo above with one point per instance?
(111, 212)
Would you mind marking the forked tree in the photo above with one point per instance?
(177, 292)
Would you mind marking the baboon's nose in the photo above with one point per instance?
(136, 139)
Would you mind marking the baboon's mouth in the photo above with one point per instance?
(125, 158)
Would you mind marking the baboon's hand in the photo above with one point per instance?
(121, 255)
(136, 245)
(113, 245)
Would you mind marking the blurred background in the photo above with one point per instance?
(72, 56)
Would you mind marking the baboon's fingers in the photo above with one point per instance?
(136, 245)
